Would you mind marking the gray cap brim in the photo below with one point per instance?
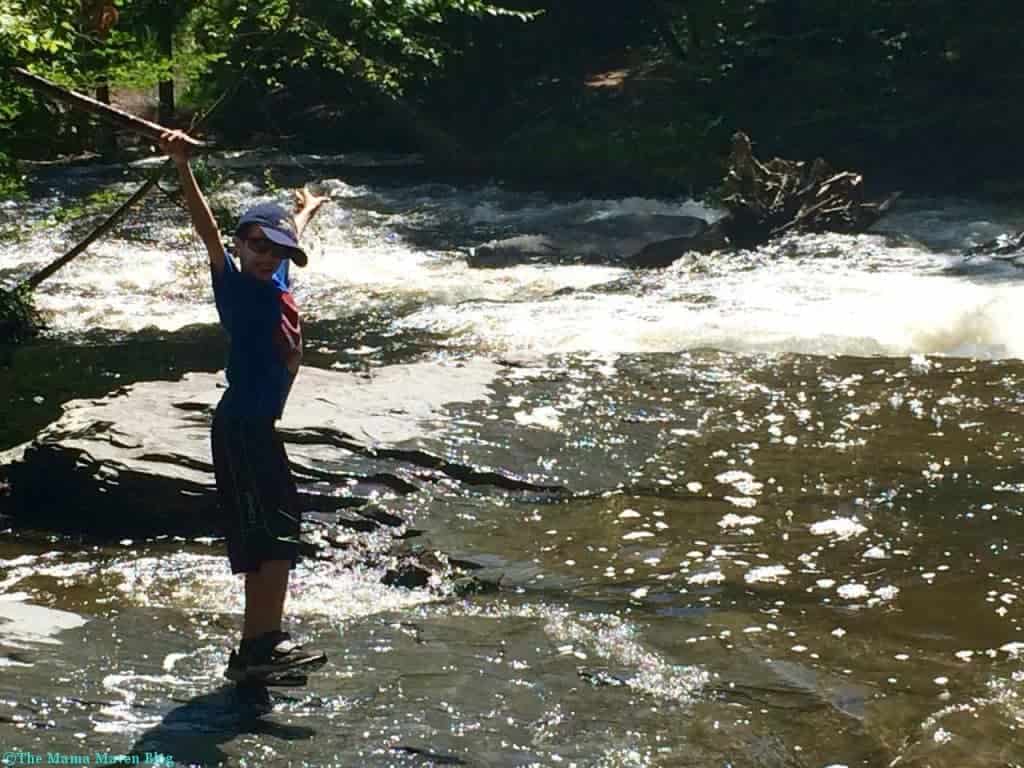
(295, 253)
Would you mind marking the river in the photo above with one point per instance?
(793, 537)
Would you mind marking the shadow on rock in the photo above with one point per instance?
(193, 733)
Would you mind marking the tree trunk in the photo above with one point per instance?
(165, 38)
(693, 28)
(106, 140)
(166, 110)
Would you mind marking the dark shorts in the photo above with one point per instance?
(256, 493)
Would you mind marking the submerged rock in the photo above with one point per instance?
(665, 252)
(522, 249)
(1007, 248)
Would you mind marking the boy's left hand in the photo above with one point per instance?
(307, 201)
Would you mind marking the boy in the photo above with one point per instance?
(255, 489)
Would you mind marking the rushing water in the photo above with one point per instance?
(793, 538)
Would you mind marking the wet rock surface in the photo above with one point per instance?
(1008, 248)
(664, 252)
(137, 462)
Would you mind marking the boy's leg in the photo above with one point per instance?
(267, 654)
(258, 496)
(265, 592)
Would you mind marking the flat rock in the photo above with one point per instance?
(137, 462)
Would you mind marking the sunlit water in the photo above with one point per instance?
(792, 537)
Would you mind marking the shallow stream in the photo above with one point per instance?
(793, 534)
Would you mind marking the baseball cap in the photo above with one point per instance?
(279, 227)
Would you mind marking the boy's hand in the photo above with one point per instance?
(307, 201)
(175, 145)
(306, 205)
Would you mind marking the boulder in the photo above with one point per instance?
(511, 251)
(663, 252)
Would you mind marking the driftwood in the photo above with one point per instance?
(766, 200)
(85, 103)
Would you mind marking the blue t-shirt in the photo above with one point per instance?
(262, 322)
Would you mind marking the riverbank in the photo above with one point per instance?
(638, 128)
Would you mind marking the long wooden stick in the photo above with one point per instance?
(118, 117)
(106, 112)
(35, 279)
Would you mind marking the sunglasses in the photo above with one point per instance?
(263, 245)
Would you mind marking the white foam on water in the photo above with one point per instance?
(171, 659)
(735, 521)
(741, 501)
(744, 482)
(1008, 694)
(853, 591)
(613, 639)
(767, 574)
(707, 577)
(827, 294)
(546, 417)
(833, 306)
(24, 622)
(123, 715)
(841, 527)
(205, 583)
(536, 210)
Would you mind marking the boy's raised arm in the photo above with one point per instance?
(173, 144)
(306, 206)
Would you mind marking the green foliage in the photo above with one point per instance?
(284, 58)
(866, 84)
(19, 319)
(210, 177)
(12, 181)
(262, 55)
(603, 146)
(225, 214)
(99, 202)
(270, 185)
